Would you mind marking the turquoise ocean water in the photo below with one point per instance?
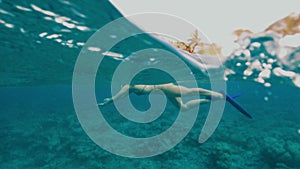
(40, 41)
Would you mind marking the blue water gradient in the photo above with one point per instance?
(39, 127)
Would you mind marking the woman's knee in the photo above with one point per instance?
(184, 107)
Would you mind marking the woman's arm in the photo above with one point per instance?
(120, 94)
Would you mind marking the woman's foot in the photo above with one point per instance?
(216, 96)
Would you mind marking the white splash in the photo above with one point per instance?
(23, 8)
(43, 34)
(283, 73)
(53, 36)
(63, 20)
(113, 54)
(83, 28)
(8, 25)
(296, 80)
(49, 13)
(94, 49)
(6, 13)
(80, 43)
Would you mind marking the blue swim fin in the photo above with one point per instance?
(231, 100)
(237, 95)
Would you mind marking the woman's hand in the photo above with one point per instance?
(105, 102)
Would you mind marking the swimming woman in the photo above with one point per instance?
(172, 91)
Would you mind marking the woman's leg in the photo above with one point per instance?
(202, 92)
(177, 91)
(193, 103)
(177, 101)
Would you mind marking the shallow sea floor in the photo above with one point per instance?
(39, 129)
(39, 126)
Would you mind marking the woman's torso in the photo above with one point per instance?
(146, 89)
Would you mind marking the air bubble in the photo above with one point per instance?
(266, 98)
